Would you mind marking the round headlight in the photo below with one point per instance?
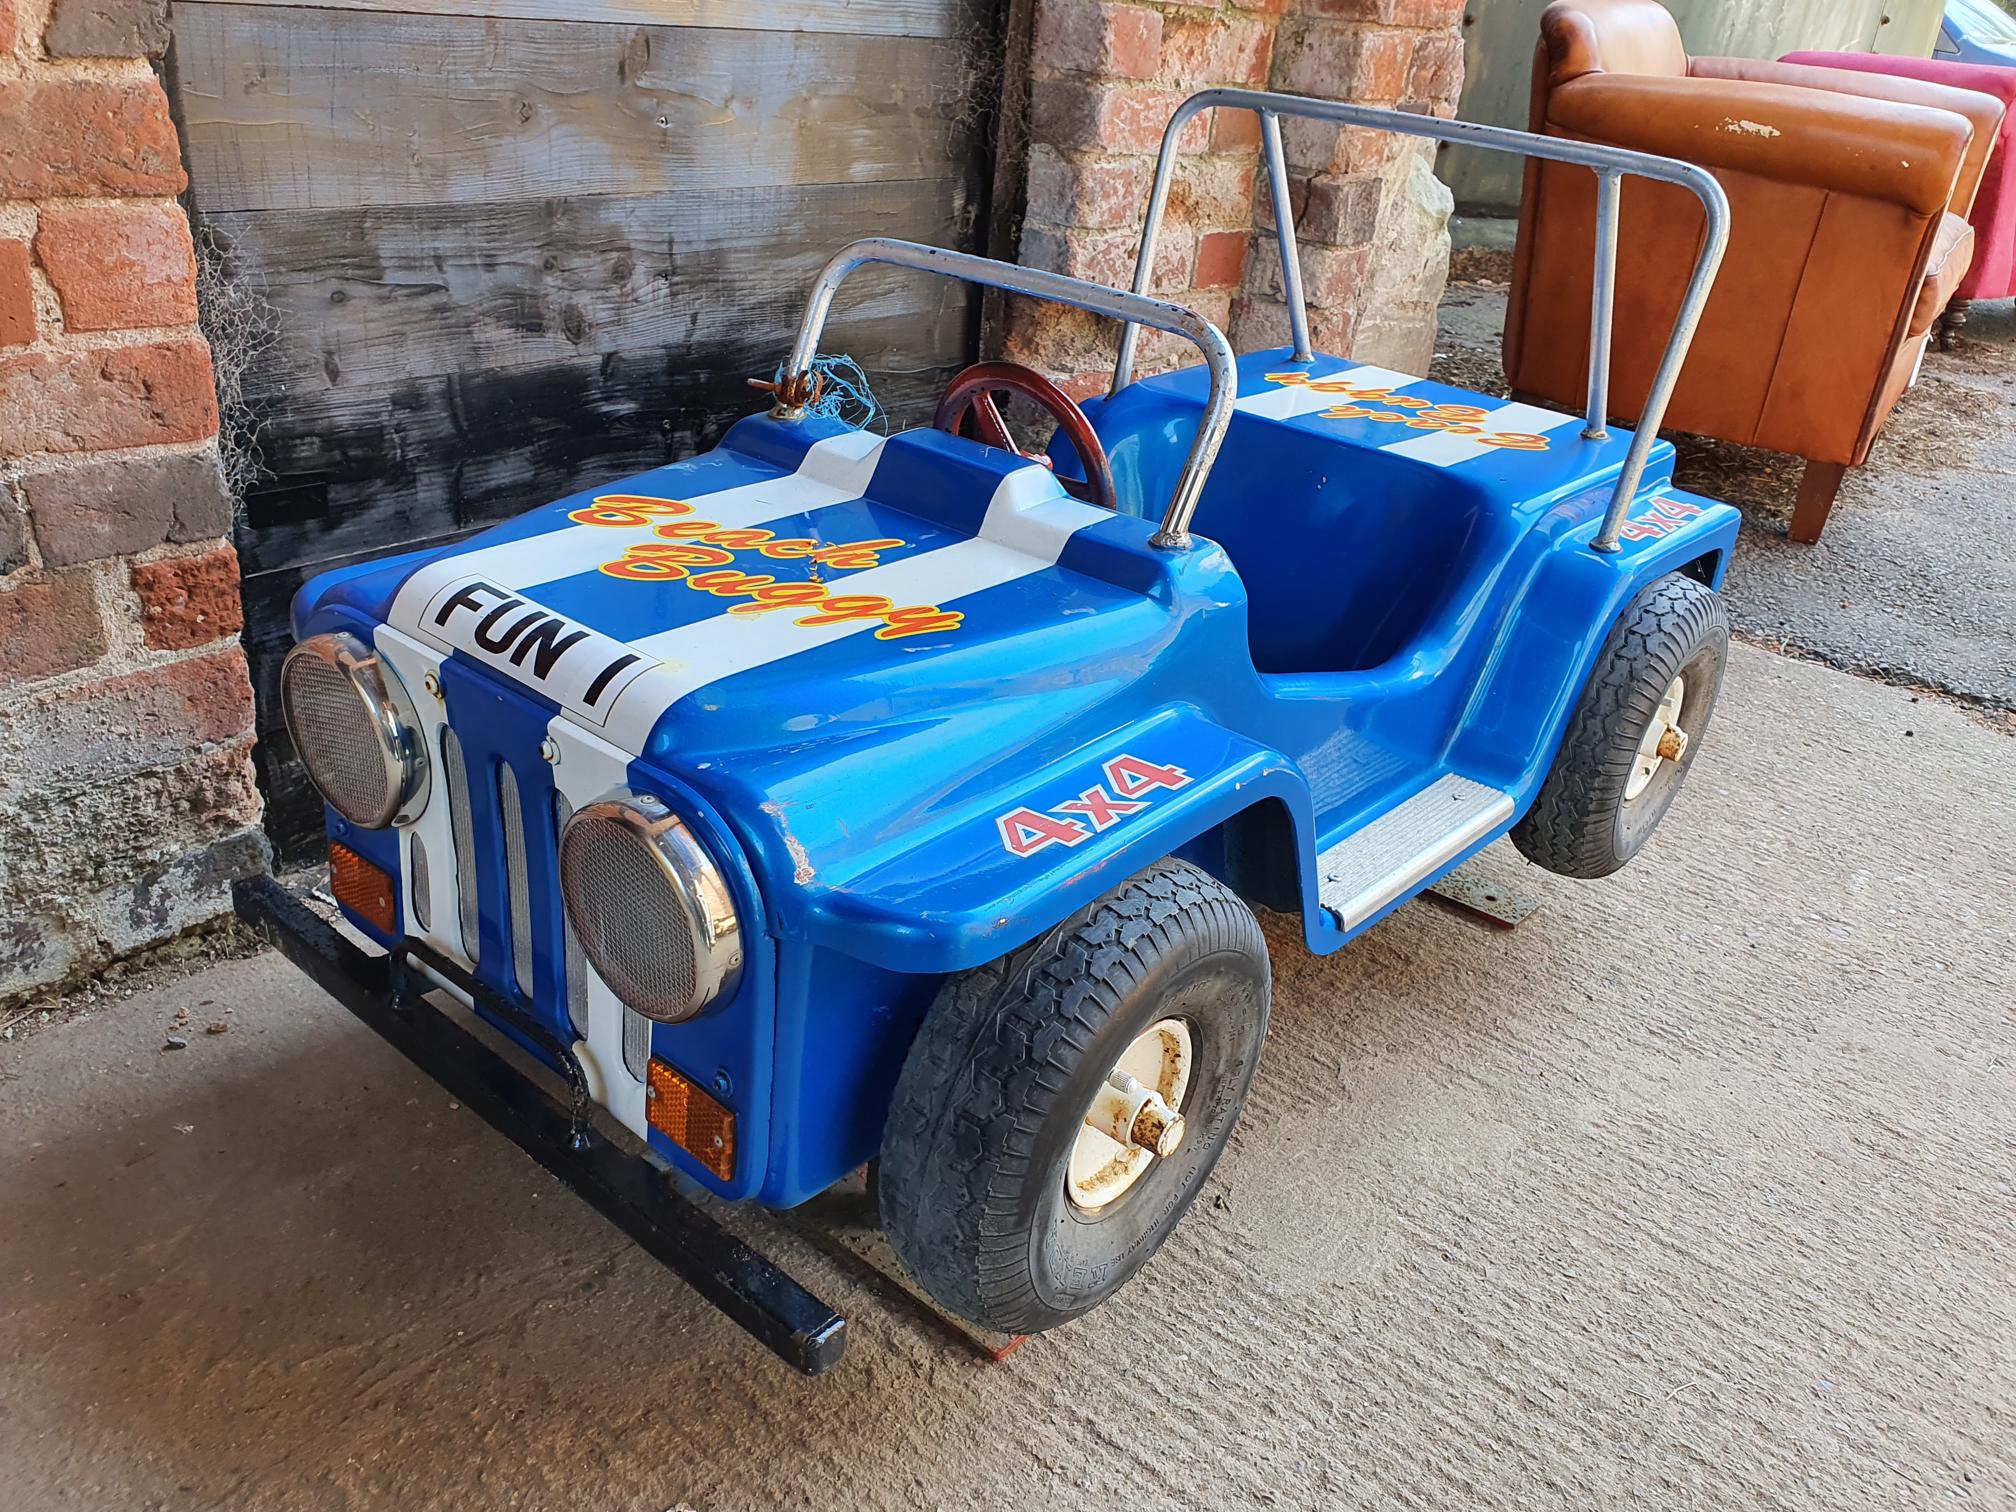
(651, 909)
(360, 750)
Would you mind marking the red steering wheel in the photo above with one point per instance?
(971, 395)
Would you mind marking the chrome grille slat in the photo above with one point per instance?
(577, 961)
(516, 882)
(636, 1042)
(464, 829)
(420, 883)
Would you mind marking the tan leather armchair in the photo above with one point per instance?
(1848, 195)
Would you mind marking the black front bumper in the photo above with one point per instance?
(388, 994)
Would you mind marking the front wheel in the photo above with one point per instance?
(1061, 1107)
(1633, 737)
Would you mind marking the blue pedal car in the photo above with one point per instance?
(833, 797)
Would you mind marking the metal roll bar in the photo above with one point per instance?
(1610, 164)
(794, 390)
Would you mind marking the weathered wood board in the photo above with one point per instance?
(380, 296)
(515, 248)
(534, 341)
(889, 18)
(288, 108)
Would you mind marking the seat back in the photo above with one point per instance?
(1348, 553)
(1610, 36)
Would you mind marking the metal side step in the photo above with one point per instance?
(1368, 869)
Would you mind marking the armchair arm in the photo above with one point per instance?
(1982, 110)
(1908, 155)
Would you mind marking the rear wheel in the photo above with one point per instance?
(1062, 1107)
(1633, 737)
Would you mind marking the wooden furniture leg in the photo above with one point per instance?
(1951, 320)
(1817, 487)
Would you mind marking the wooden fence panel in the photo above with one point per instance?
(509, 249)
(287, 108)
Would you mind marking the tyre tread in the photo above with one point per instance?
(1571, 827)
(1004, 1037)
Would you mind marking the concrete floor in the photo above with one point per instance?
(1693, 1191)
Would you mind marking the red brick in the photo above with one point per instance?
(1213, 191)
(106, 398)
(17, 293)
(1334, 276)
(1089, 190)
(122, 504)
(1421, 14)
(1107, 257)
(1261, 7)
(1234, 131)
(1342, 212)
(81, 136)
(1331, 276)
(105, 729)
(1435, 77)
(10, 26)
(1083, 386)
(49, 627)
(107, 29)
(1068, 113)
(189, 601)
(1221, 258)
(1358, 63)
(1216, 50)
(1160, 351)
(117, 268)
(13, 530)
(1092, 37)
(1263, 324)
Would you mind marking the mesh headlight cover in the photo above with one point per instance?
(358, 748)
(652, 911)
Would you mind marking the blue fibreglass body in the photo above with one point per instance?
(1349, 626)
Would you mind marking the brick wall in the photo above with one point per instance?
(1370, 216)
(126, 794)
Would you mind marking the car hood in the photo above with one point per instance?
(807, 604)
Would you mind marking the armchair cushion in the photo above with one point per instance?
(1983, 112)
(1993, 275)
(1903, 154)
(1952, 256)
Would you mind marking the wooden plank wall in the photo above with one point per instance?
(512, 248)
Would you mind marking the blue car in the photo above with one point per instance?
(833, 797)
(1977, 31)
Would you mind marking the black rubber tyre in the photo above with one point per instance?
(990, 1100)
(1582, 825)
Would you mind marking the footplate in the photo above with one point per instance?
(1400, 850)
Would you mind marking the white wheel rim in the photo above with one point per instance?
(1646, 765)
(1102, 1169)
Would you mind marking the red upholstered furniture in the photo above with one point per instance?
(1993, 218)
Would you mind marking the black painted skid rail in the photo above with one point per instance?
(628, 1190)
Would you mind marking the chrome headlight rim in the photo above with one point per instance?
(388, 715)
(688, 867)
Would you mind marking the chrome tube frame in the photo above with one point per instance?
(1609, 163)
(1134, 309)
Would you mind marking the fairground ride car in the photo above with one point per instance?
(834, 797)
